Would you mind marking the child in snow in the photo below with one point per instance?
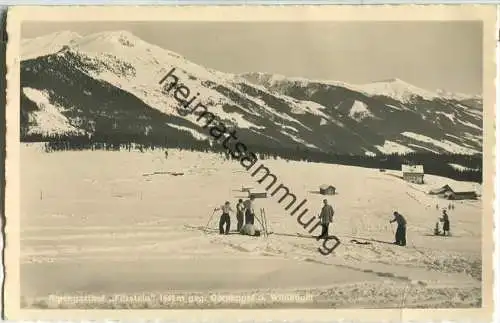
(436, 229)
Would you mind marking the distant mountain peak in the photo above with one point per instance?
(113, 36)
(117, 33)
(402, 90)
(103, 41)
(397, 89)
(47, 44)
(64, 34)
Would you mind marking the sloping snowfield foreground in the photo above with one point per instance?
(103, 230)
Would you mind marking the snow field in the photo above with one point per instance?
(84, 213)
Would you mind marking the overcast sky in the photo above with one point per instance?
(431, 55)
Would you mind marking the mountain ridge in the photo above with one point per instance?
(289, 112)
(366, 87)
(77, 39)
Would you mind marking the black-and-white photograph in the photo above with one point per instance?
(246, 164)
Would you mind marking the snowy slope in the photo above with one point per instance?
(49, 118)
(406, 92)
(133, 65)
(124, 220)
(397, 89)
(125, 61)
(359, 111)
(48, 44)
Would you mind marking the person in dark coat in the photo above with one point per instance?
(446, 223)
(250, 211)
(326, 217)
(240, 213)
(401, 230)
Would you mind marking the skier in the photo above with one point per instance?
(225, 219)
(326, 217)
(446, 223)
(401, 230)
(240, 212)
(250, 210)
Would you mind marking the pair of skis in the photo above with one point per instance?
(263, 222)
(262, 219)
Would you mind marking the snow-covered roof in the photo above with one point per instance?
(414, 169)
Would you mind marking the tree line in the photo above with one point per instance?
(434, 164)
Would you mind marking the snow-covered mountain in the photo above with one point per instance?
(108, 83)
(394, 88)
(404, 114)
(48, 44)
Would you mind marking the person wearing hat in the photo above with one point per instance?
(401, 230)
(225, 219)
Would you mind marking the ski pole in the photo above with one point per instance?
(264, 220)
(210, 219)
(260, 222)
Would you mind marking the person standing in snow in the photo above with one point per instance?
(250, 210)
(401, 230)
(326, 217)
(225, 219)
(446, 223)
(240, 213)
